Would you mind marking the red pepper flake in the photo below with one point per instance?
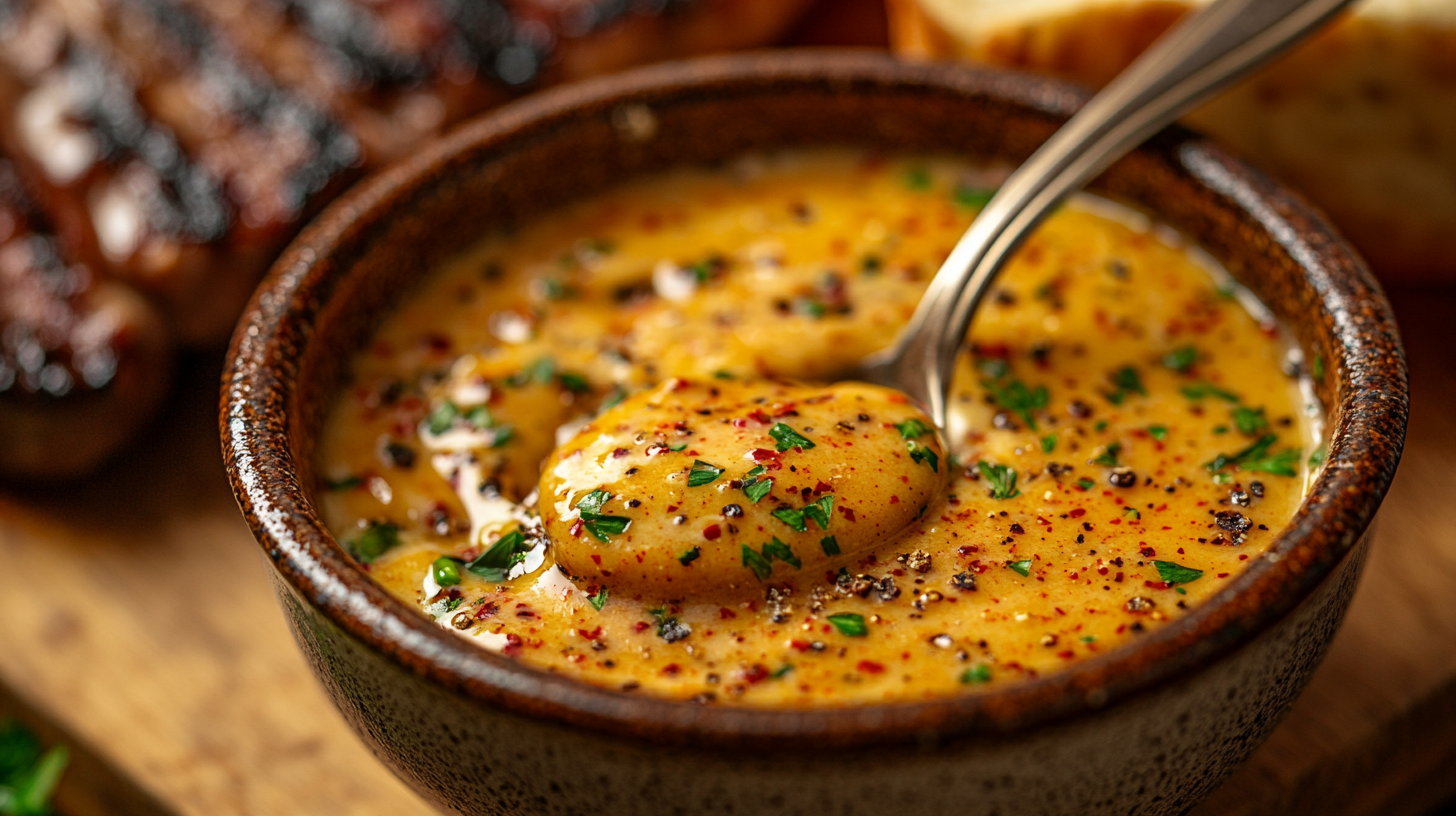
(799, 645)
(1117, 579)
(1114, 521)
(640, 626)
(671, 669)
(846, 512)
(1066, 655)
(1223, 575)
(724, 613)
(1157, 584)
(756, 673)
(576, 529)
(821, 487)
(596, 559)
(894, 500)
(1146, 552)
(711, 532)
(595, 634)
(513, 644)
(869, 667)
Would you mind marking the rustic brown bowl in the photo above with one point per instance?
(1149, 728)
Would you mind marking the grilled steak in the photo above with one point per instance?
(159, 153)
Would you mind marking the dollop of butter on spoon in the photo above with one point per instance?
(693, 487)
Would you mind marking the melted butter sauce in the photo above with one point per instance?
(1089, 488)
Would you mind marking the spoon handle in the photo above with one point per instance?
(1185, 66)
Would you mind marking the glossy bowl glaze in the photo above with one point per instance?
(1149, 728)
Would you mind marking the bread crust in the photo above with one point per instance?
(1361, 119)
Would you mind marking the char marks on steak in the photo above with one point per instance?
(171, 148)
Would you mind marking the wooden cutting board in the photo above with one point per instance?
(136, 625)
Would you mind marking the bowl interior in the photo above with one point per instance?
(329, 291)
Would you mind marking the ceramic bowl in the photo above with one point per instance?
(1150, 728)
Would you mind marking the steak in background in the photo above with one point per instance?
(156, 155)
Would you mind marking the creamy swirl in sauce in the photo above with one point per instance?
(610, 443)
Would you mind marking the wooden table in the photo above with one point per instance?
(136, 625)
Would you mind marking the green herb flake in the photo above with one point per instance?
(922, 454)
(1132, 511)
(1319, 367)
(830, 545)
(446, 571)
(993, 367)
(1128, 381)
(1158, 432)
(1317, 457)
(703, 473)
(723, 374)
(976, 675)
(792, 517)
(1048, 443)
(850, 624)
(973, 197)
(1001, 478)
(28, 776)
(758, 488)
(1181, 359)
(1089, 638)
(1250, 421)
(912, 429)
(1084, 484)
(755, 561)
(690, 556)
(346, 483)
(787, 437)
(1257, 458)
(442, 418)
(1108, 457)
(575, 383)
(820, 511)
(601, 526)
(1202, 389)
(1173, 573)
(615, 398)
(480, 418)
(495, 563)
(917, 178)
(598, 600)
(1018, 399)
(1022, 568)
(781, 551)
(501, 435)
(678, 447)
(777, 674)
(377, 539)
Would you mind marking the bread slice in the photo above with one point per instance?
(1361, 119)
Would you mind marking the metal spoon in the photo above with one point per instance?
(1185, 66)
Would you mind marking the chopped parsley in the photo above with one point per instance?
(703, 473)
(756, 487)
(1048, 443)
(678, 447)
(1125, 380)
(575, 383)
(917, 178)
(1181, 359)
(1319, 367)
(1132, 511)
(1084, 484)
(479, 418)
(1173, 573)
(830, 545)
(690, 556)
(762, 562)
(1002, 479)
(912, 429)
(1158, 432)
(541, 371)
(28, 776)
(781, 671)
(1257, 458)
(817, 512)
(615, 398)
(1022, 568)
(1317, 457)
(850, 624)
(1250, 421)
(445, 571)
(598, 600)
(975, 197)
(1108, 457)
(442, 418)
(787, 437)
(977, 674)
(920, 453)
(346, 483)
(377, 539)
(781, 551)
(496, 562)
(1015, 397)
(1200, 390)
(601, 526)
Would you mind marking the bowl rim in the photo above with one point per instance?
(260, 383)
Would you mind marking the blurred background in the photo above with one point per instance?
(156, 155)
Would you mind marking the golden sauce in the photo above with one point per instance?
(610, 443)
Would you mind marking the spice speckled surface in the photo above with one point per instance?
(1042, 746)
